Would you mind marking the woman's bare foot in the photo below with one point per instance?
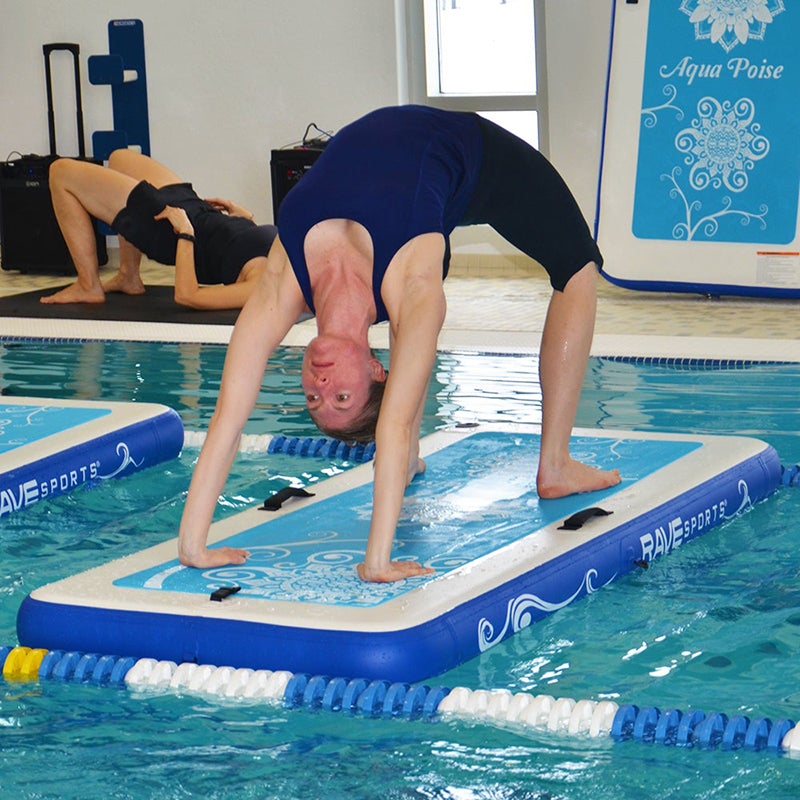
(75, 293)
(574, 478)
(123, 283)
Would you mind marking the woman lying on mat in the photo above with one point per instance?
(364, 238)
(217, 249)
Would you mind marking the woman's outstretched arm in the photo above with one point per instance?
(417, 315)
(267, 316)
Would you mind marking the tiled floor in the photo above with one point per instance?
(632, 322)
(505, 310)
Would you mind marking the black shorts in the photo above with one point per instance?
(155, 238)
(522, 196)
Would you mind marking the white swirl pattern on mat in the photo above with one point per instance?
(518, 610)
(127, 459)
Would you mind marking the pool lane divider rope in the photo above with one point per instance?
(376, 698)
(307, 446)
(790, 475)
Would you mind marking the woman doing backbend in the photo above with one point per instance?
(364, 238)
(217, 249)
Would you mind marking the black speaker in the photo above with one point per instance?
(30, 239)
(287, 167)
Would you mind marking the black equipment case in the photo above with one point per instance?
(30, 239)
(287, 166)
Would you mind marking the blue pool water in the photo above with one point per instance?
(716, 625)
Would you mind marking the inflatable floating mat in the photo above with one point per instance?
(503, 559)
(50, 447)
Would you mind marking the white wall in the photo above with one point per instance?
(227, 82)
(578, 40)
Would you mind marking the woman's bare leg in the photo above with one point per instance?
(127, 279)
(81, 190)
(142, 168)
(566, 341)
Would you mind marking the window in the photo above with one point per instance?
(479, 55)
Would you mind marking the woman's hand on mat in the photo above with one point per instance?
(177, 218)
(393, 571)
(214, 557)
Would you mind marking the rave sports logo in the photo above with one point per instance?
(731, 22)
(665, 538)
(39, 488)
(35, 489)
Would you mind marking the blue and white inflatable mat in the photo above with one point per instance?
(503, 559)
(50, 447)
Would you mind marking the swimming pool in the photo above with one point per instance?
(716, 625)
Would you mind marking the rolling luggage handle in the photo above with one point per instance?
(75, 49)
(30, 238)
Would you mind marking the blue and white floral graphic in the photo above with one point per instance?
(722, 144)
(697, 221)
(650, 115)
(717, 151)
(731, 22)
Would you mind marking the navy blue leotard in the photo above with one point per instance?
(400, 172)
(408, 170)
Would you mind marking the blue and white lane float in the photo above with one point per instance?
(503, 559)
(306, 446)
(521, 711)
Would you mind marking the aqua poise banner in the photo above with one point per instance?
(718, 157)
(700, 168)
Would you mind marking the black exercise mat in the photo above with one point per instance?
(156, 305)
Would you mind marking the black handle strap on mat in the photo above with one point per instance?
(218, 595)
(277, 500)
(575, 522)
